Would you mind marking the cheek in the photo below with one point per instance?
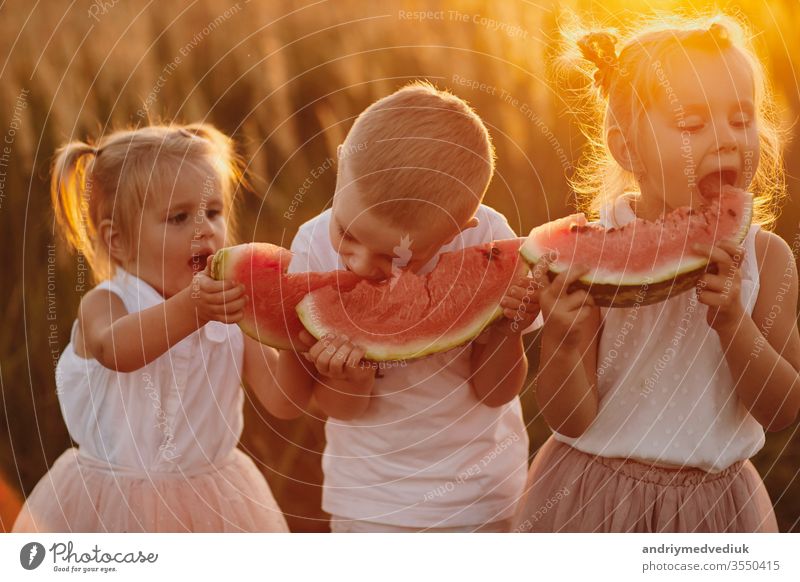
(752, 157)
(342, 246)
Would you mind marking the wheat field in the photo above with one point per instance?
(286, 80)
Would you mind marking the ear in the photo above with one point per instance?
(623, 150)
(113, 241)
(471, 223)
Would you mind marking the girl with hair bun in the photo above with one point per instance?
(658, 438)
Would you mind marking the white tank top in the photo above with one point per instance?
(666, 391)
(179, 413)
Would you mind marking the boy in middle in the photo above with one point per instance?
(437, 444)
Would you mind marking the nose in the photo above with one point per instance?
(202, 226)
(366, 266)
(726, 136)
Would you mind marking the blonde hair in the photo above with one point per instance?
(112, 179)
(624, 84)
(417, 150)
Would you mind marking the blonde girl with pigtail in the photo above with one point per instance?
(150, 383)
(659, 439)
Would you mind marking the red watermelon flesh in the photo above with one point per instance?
(643, 261)
(410, 315)
(270, 315)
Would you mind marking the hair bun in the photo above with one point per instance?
(600, 49)
(720, 33)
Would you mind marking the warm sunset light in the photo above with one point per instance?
(144, 137)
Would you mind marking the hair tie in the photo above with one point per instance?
(600, 49)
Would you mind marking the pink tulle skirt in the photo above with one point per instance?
(82, 495)
(571, 491)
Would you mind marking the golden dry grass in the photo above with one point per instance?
(286, 79)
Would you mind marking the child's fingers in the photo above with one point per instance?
(232, 317)
(305, 341)
(717, 284)
(354, 360)
(566, 278)
(208, 285)
(224, 295)
(234, 306)
(576, 300)
(323, 360)
(519, 309)
(318, 347)
(731, 247)
(718, 254)
(714, 299)
(520, 292)
(339, 359)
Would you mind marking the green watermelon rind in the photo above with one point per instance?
(219, 262)
(377, 352)
(617, 291)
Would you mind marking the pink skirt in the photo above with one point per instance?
(571, 491)
(82, 495)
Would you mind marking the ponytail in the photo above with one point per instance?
(69, 193)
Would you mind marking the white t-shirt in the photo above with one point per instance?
(427, 453)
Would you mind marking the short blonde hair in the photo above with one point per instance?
(625, 82)
(113, 178)
(418, 150)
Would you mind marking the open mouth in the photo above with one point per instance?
(198, 260)
(711, 185)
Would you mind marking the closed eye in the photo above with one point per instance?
(692, 123)
(345, 235)
(741, 121)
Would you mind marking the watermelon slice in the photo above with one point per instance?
(642, 262)
(410, 316)
(270, 315)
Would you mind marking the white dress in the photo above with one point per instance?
(156, 447)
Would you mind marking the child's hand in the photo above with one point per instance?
(336, 358)
(721, 291)
(214, 300)
(520, 305)
(564, 313)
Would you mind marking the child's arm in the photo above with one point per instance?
(762, 351)
(260, 374)
(499, 364)
(290, 392)
(329, 370)
(567, 380)
(125, 341)
(342, 385)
